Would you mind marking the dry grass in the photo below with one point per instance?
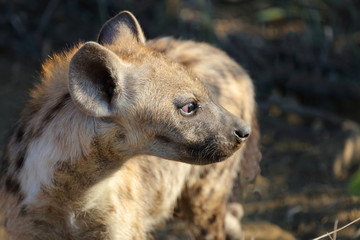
(332, 235)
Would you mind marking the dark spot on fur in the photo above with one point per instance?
(23, 211)
(177, 210)
(163, 138)
(106, 120)
(20, 134)
(34, 133)
(21, 198)
(204, 232)
(120, 136)
(198, 190)
(204, 172)
(20, 160)
(189, 62)
(31, 110)
(212, 219)
(12, 185)
(57, 107)
(41, 223)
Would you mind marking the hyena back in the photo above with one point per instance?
(119, 136)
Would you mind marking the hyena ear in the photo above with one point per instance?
(122, 27)
(95, 79)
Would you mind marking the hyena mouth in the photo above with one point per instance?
(209, 151)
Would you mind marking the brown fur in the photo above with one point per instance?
(88, 157)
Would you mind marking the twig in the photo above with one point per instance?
(337, 230)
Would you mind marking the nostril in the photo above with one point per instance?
(242, 135)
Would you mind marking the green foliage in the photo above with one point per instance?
(271, 14)
(354, 184)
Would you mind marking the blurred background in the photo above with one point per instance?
(304, 59)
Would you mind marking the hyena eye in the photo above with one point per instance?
(188, 109)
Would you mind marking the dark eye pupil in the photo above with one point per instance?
(188, 108)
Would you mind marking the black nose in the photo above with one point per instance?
(242, 134)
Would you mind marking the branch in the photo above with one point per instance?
(337, 230)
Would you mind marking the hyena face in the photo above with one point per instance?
(147, 104)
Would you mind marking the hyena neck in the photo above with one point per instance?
(60, 144)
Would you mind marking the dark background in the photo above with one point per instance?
(304, 58)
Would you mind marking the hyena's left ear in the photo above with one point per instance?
(122, 28)
(96, 77)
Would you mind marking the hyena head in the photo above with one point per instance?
(147, 104)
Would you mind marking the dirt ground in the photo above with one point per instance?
(309, 151)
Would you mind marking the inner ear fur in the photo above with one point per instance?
(124, 27)
(95, 79)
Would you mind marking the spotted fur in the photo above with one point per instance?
(103, 150)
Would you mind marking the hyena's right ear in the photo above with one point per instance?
(122, 28)
(96, 78)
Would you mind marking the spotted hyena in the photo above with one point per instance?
(120, 135)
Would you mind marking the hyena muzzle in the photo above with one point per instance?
(89, 158)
